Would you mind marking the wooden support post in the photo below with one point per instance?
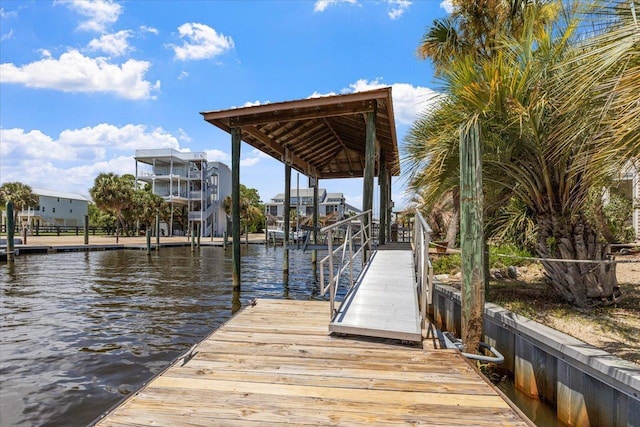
(471, 236)
(24, 234)
(266, 229)
(192, 232)
(384, 199)
(10, 233)
(389, 207)
(86, 229)
(369, 166)
(147, 234)
(198, 232)
(314, 253)
(287, 219)
(236, 139)
(157, 232)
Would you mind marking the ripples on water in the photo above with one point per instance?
(79, 331)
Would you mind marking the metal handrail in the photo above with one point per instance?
(364, 236)
(424, 269)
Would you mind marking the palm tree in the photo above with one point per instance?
(548, 104)
(145, 206)
(20, 194)
(113, 193)
(251, 209)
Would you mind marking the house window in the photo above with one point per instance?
(58, 198)
(70, 201)
(70, 210)
(54, 210)
(43, 209)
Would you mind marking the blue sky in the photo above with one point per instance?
(83, 84)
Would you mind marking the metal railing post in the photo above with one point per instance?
(331, 293)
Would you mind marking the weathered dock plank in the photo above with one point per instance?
(288, 369)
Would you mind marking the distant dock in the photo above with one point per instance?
(71, 243)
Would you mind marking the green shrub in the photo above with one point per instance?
(497, 261)
(618, 213)
(451, 263)
(446, 264)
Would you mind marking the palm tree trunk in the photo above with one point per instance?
(452, 230)
(581, 284)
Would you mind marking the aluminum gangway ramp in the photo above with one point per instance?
(383, 302)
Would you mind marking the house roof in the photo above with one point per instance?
(335, 196)
(304, 192)
(58, 194)
(168, 154)
(320, 137)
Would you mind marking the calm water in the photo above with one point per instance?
(80, 331)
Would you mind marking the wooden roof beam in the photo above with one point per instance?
(296, 162)
(326, 122)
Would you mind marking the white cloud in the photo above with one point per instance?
(183, 75)
(129, 137)
(7, 36)
(252, 104)
(151, 30)
(200, 42)
(322, 5)
(398, 8)
(76, 156)
(215, 155)
(249, 161)
(78, 179)
(317, 94)
(447, 5)
(99, 14)
(115, 44)
(183, 136)
(408, 101)
(74, 72)
(6, 15)
(89, 143)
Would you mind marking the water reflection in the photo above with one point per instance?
(81, 330)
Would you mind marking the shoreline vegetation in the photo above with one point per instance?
(614, 329)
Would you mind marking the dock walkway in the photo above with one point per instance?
(276, 363)
(384, 301)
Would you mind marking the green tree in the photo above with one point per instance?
(101, 219)
(559, 115)
(251, 209)
(145, 206)
(113, 193)
(20, 194)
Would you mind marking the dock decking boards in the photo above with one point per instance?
(276, 363)
(384, 302)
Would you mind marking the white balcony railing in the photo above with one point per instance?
(196, 215)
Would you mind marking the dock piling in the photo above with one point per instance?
(10, 233)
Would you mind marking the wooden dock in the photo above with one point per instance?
(276, 363)
(383, 302)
